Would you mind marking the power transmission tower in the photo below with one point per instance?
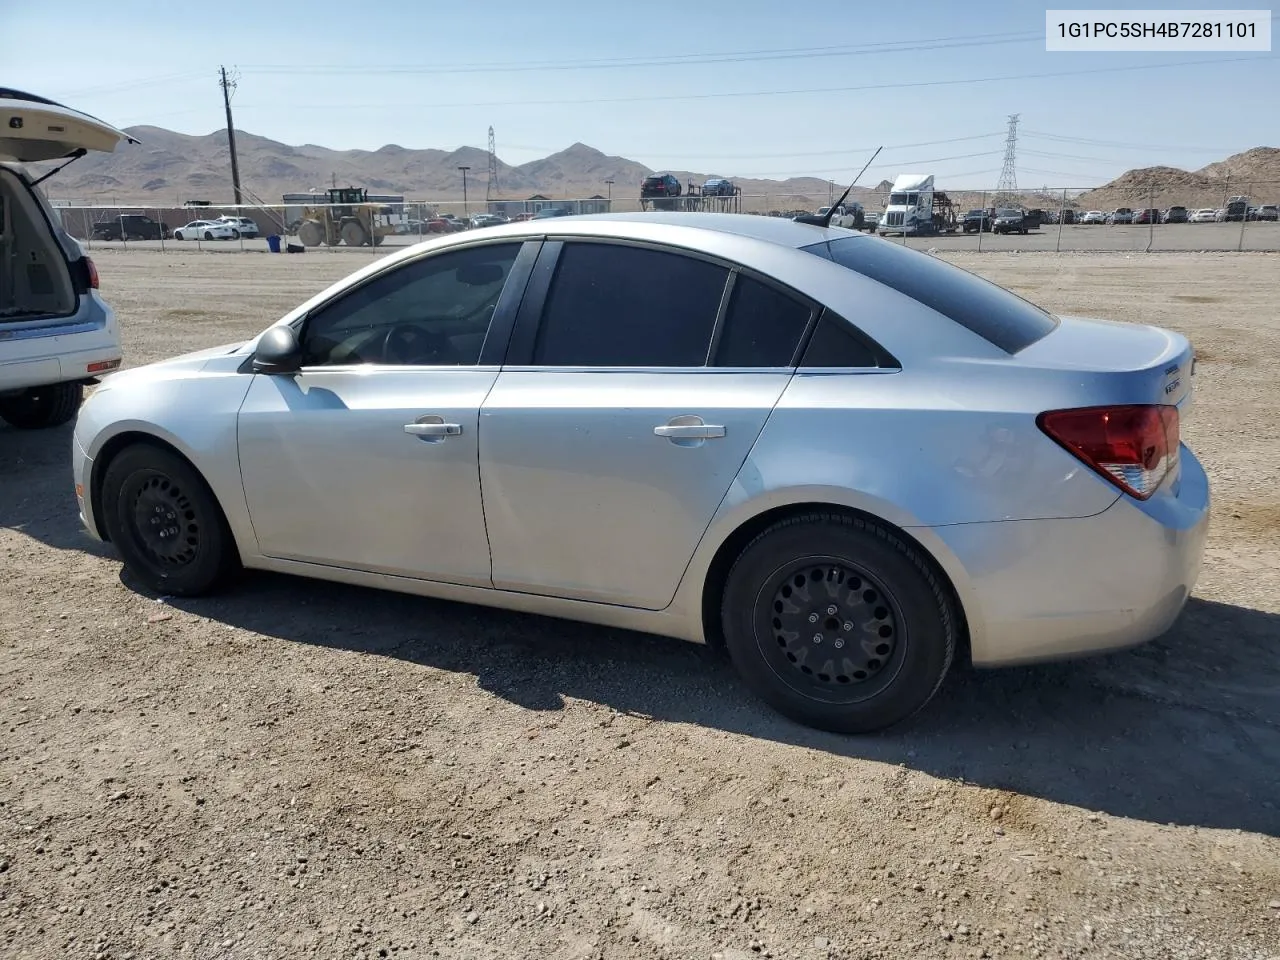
(229, 84)
(1007, 186)
(491, 190)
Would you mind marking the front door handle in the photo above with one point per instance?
(689, 431)
(433, 430)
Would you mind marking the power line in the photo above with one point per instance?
(896, 163)
(773, 93)
(746, 56)
(783, 156)
(1059, 138)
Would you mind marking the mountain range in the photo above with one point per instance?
(168, 168)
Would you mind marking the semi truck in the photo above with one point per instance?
(915, 208)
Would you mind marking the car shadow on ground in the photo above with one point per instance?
(1184, 730)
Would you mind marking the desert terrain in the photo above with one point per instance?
(295, 768)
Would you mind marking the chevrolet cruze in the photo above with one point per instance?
(845, 461)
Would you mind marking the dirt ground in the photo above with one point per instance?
(302, 769)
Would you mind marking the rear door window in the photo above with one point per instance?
(615, 305)
(992, 312)
(762, 327)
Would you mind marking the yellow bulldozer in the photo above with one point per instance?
(348, 217)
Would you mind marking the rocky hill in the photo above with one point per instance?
(1255, 173)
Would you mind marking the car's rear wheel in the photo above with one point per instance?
(838, 623)
(39, 407)
(166, 523)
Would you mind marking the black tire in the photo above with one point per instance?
(208, 235)
(40, 407)
(890, 609)
(146, 482)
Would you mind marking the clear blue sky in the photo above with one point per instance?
(425, 74)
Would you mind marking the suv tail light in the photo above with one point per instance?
(92, 268)
(1135, 447)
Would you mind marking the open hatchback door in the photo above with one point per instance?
(33, 129)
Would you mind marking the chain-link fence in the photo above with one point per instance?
(1186, 214)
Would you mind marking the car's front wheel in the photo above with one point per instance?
(166, 523)
(838, 623)
(39, 407)
(208, 234)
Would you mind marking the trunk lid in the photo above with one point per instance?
(1128, 362)
(34, 129)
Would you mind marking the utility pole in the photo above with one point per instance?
(609, 184)
(464, 170)
(227, 86)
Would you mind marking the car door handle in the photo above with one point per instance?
(689, 431)
(433, 429)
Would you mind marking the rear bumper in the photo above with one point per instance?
(1050, 589)
(37, 356)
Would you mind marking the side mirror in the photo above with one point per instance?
(278, 351)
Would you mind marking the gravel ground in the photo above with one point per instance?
(297, 768)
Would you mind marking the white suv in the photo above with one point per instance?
(56, 332)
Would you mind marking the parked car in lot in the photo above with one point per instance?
(660, 185)
(1174, 215)
(976, 220)
(488, 220)
(1009, 220)
(548, 212)
(56, 332)
(1120, 215)
(681, 423)
(1094, 216)
(130, 226)
(1148, 215)
(206, 230)
(718, 187)
(246, 226)
(1266, 211)
(849, 215)
(1204, 215)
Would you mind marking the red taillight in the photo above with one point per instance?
(1134, 447)
(93, 273)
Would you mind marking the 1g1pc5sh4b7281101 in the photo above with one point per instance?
(1202, 31)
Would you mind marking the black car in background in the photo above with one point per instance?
(660, 185)
(1009, 220)
(976, 220)
(131, 226)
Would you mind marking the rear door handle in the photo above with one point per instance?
(689, 431)
(433, 429)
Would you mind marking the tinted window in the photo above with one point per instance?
(612, 305)
(835, 344)
(430, 312)
(993, 313)
(762, 328)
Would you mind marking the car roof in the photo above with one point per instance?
(662, 225)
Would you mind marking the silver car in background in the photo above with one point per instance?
(841, 459)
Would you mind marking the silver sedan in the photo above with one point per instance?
(845, 461)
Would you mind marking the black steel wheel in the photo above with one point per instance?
(166, 523)
(838, 622)
(829, 629)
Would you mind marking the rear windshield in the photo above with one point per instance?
(993, 313)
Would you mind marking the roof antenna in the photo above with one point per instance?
(825, 219)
